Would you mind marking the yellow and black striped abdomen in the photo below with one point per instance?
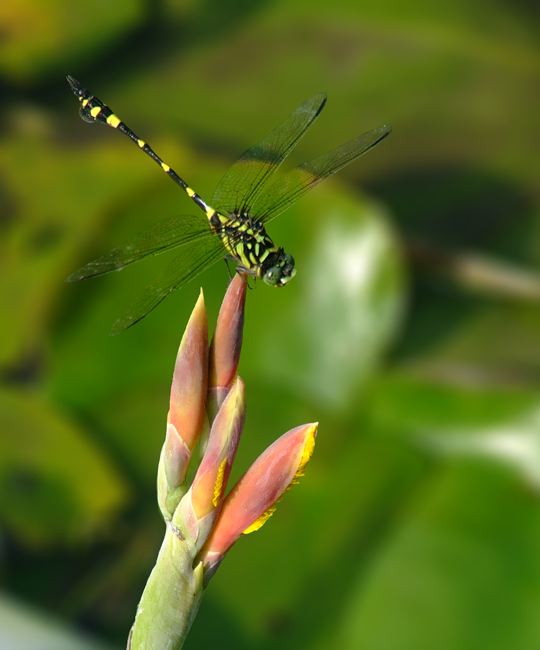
(94, 110)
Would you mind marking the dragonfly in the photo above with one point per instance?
(234, 226)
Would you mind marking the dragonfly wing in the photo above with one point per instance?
(194, 260)
(160, 237)
(243, 182)
(290, 187)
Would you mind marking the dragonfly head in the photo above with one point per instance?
(282, 270)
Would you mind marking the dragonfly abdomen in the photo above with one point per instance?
(93, 109)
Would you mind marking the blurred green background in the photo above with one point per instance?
(411, 332)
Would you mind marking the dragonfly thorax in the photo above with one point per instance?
(249, 245)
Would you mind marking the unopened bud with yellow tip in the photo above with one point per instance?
(253, 499)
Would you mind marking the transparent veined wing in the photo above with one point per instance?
(163, 236)
(242, 183)
(290, 187)
(194, 260)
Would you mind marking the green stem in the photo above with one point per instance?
(170, 599)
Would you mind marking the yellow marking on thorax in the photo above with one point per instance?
(222, 218)
(95, 111)
(165, 168)
(265, 254)
(113, 121)
(141, 143)
(227, 243)
(240, 252)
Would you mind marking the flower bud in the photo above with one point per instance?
(190, 379)
(253, 499)
(187, 412)
(226, 344)
(199, 508)
(213, 473)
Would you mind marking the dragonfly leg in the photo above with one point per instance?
(245, 274)
(226, 260)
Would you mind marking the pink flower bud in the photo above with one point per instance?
(252, 500)
(211, 479)
(190, 381)
(226, 344)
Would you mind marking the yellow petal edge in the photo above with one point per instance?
(218, 486)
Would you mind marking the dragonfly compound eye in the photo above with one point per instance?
(273, 276)
(287, 274)
(282, 272)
